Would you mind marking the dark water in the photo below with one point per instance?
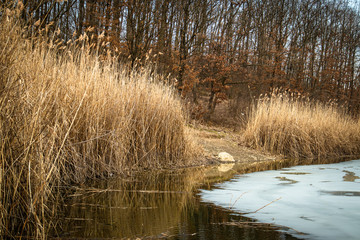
(160, 205)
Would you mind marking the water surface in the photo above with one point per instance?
(159, 205)
(312, 202)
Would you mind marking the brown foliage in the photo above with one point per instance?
(211, 46)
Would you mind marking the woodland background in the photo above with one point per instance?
(220, 50)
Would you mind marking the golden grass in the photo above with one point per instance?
(298, 128)
(68, 117)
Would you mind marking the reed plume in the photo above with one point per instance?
(69, 114)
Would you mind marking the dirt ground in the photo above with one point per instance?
(214, 140)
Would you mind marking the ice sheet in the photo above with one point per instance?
(321, 201)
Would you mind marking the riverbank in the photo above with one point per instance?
(298, 127)
(166, 203)
(216, 139)
(69, 115)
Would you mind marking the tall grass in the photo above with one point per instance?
(298, 128)
(68, 117)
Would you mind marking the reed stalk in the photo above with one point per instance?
(68, 115)
(298, 128)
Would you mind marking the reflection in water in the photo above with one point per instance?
(160, 205)
(164, 205)
(295, 173)
(225, 167)
(342, 193)
(148, 205)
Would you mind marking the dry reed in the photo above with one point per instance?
(68, 117)
(293, 126)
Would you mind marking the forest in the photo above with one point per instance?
(221, 50)
(93, 89)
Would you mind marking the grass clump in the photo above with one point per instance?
(298, 128)
(66, 116)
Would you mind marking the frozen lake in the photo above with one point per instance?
(310, 202)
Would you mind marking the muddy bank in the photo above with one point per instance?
(215, 140)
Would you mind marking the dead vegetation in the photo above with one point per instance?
(68, 116)
(298, 128)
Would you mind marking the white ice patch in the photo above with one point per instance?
(321, 201)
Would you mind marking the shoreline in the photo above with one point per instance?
(214, 139)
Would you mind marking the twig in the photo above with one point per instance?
(265, 205)
(237, 200)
